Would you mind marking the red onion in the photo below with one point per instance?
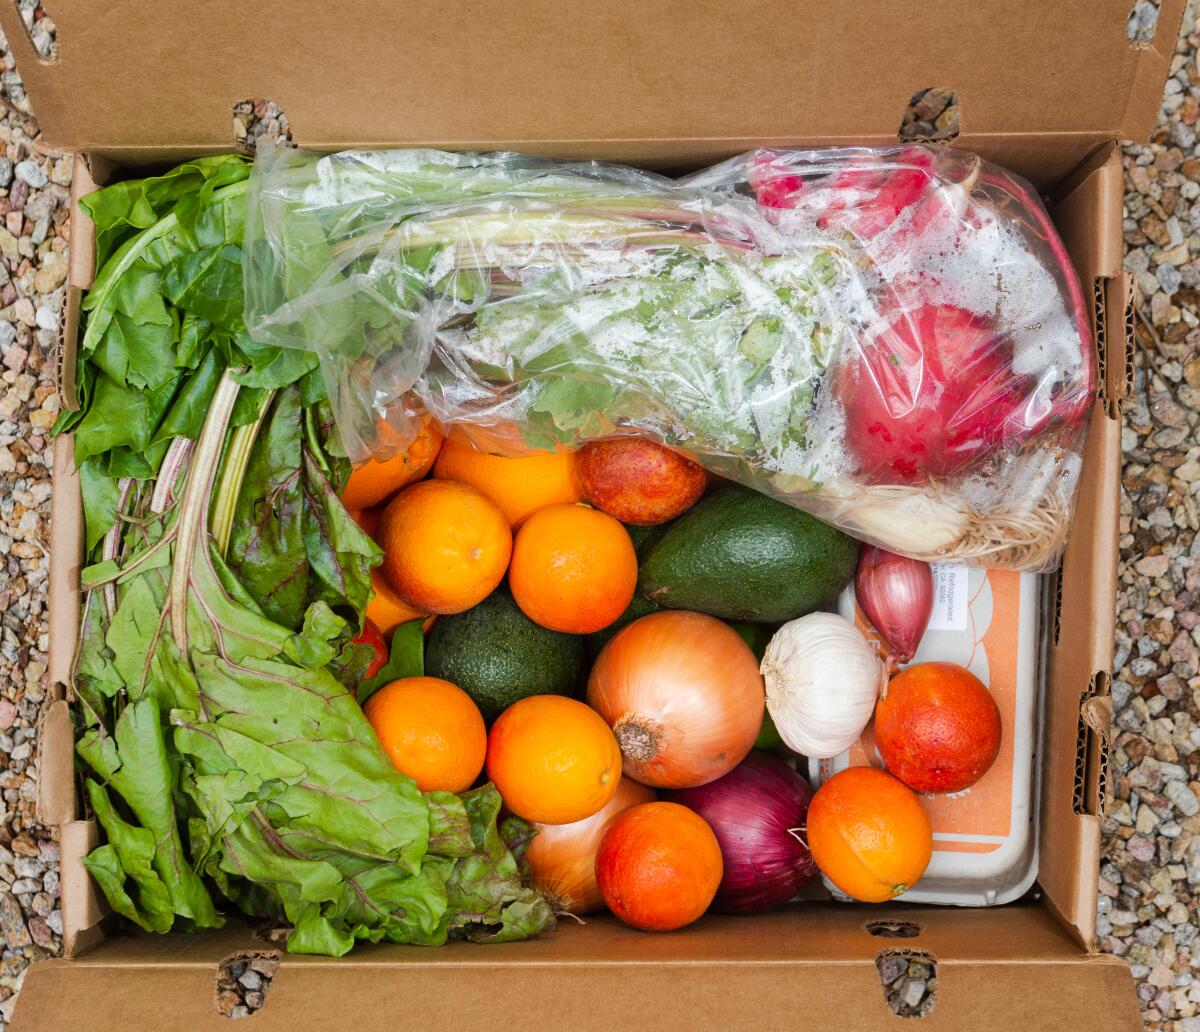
(757, 811)
(896, 594)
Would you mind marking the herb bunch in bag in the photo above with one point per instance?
(892, 340)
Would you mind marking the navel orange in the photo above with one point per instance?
(373, 481)
(868, 834)
(431, 731)
(553, 760)
(519, 486)
(387, 610)
(445, 546)
(574, 569)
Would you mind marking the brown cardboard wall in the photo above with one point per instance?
(165, 73)
(1081, 644)
(809, 967)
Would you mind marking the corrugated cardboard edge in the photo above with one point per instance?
(1153, 67)
(58, 803)
(1079, 662)
(82, 909)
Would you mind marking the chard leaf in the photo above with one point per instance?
(134, 762)
(120, 416)
(406, 658)
(128, 856)
(266, 547)
(187, 411)
(137, 204)
(272, 367)
(340, 553)
(142, 464)
(485, 889)
(449, 825)
(270, 784)
(101, 496)
(208, 284)
(134, 631)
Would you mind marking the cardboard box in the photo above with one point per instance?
(1047, 88)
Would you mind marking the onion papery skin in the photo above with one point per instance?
(562, 857)
(684, 696)
(758, 813)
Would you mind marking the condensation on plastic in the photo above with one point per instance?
(893, 340)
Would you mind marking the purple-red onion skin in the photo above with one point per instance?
(758, 812)
(896, 594)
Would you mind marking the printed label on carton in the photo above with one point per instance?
(949, 597)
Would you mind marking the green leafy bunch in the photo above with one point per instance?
(223, 750)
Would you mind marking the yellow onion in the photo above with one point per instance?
(896, 594)
(683, 694)
(562, 857)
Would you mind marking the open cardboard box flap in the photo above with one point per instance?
(784, 971)
(640, 83)
(549, 75)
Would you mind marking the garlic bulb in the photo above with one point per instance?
(822, 680)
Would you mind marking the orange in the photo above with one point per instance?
(431, 731)
(553, 760)
(659, 866)
(387, 610)
(937, 727)
(519, 486)
(445, 546)
(868, 834)
(573, 569)
(372, 481)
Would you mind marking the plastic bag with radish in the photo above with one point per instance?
(893, 340)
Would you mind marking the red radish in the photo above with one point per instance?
(369, 635)
(937, 727)
(930, 394)
(864, 198)
(638, 481)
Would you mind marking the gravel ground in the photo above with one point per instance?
(33, 247)
(1150, 879)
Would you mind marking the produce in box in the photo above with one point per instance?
(223, 751)
(258, 727)
(893, 340)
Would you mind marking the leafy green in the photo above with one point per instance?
(406, 658)
(576, 301)
(224, 752)
(267, 544)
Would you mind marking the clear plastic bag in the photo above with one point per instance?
(893, 340)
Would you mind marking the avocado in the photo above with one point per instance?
(497, 655)
(645, 538)
(740, 555)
